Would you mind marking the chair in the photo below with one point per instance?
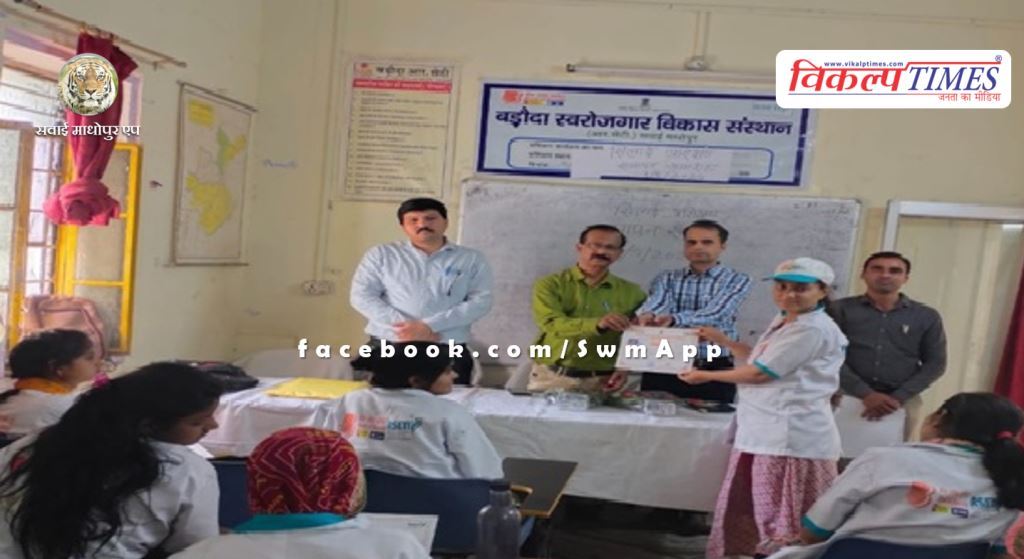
(287, 363)
(455, 502)
(44, 312)
(859, 548)
(232, 477)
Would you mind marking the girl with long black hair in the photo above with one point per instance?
(114, 477)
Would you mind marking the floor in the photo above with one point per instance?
(591, 529)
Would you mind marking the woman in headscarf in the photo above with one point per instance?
(305, 488)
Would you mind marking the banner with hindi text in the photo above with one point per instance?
(633, 134)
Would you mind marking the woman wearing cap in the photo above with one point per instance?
(305, 488)
(786, 443)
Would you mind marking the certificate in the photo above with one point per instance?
(858, 434)
(657, 350)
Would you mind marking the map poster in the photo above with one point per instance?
(213, 153)
(400, 121)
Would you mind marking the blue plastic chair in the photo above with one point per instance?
(234, 491)
(455, 502)
(859, 548)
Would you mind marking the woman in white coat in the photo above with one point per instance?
(114, 477)
(964, 483)
(786, 446)
(402, 426)
(47, 367)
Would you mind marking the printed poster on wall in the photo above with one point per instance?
(400, 118)
(634, 134)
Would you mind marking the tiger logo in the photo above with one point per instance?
(88, 84)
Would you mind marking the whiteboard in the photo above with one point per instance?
(529, 230)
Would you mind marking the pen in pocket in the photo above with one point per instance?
(451, 284)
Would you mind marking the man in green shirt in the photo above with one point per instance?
(579, 309)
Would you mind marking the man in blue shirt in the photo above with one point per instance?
(705, 293)
(425, 288)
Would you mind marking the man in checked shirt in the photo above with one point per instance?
(705, 293)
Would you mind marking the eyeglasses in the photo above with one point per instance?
(595, 246)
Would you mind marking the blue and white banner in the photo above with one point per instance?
(893, 79)
(618, 133)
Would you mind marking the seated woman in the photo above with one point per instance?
(964, 483)
(114, 477)
(401, 426)
(47, 367)
(305, 488)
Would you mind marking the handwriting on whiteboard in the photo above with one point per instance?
(652, 162)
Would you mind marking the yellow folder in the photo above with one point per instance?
(315, 388)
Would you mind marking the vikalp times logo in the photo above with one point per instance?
(880, 79)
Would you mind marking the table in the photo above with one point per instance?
(622, 455)
(673, 462)
(247, 417)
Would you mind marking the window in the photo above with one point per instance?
(98, 262)
(32, 168)
(16, 153)
(92, 262)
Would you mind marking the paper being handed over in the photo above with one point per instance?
(657, 350)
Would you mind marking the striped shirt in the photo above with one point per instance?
(691, 299)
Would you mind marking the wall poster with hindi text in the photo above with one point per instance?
(400, 120)
(622, 133)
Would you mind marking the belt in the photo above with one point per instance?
(882, 386)
(579, 373)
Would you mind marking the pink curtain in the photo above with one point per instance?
(1010, 382)
(85, 200)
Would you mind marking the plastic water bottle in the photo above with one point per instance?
(498, 525)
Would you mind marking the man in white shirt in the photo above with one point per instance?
(426, 288)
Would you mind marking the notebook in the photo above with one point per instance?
(315, 388)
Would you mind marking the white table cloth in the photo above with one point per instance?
(622, 455)
(247, 417)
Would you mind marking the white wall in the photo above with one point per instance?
(960, 156)
(279, 56)
(179, 312)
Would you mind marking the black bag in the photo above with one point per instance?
(232, 377)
